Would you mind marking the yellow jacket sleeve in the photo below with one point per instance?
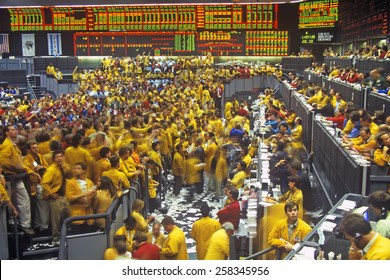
(141, 224)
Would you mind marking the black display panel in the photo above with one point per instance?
(318, 14)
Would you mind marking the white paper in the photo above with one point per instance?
(190, 240)
(330, 217)
(306, 253)
(192, 210)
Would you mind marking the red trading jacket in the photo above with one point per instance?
(230, 213)
(147, 251)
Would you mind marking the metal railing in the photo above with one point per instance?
(30, 88)
(265, 251)
(109, 217)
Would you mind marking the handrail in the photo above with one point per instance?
(265, 251)
(63, 254)
(146, 199)
(30, 88)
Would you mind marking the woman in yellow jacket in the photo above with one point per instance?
(128, 230)
(141, 222)
(104, 197)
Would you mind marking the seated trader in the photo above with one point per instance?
(144, 250)
(112, 252)
(128, 230)
(293, 194)
(290, 231)
(239, 177)
(382, 154)
(231, 213)
(365, 243)
(379, 201)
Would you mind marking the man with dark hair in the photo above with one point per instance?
(143, 249)
(155, 155)
(174, 247)
(128, 230)
(231, 213)
(358, 231)
(366, 121)
(293, 194)
(289, 231)
(202, 230)
(36, 166)
(379, 202)
(239, 177)
(131, 173)
(103, 164)
(118, 178)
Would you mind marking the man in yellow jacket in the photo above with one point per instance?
(174, 247)
(80, 192)
(288, 231)
(54, 189)
(202, 230)
(219, 243)
(366, 244)
(178, 169)
(12, 163)
(36, 166)
(118, 178)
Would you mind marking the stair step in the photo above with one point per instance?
(41, 251)
(41, 238)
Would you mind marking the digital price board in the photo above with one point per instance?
(226, 29)
(318, 14)
(145, 18)
(373, 25)
(219, 43)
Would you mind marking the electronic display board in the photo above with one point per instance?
(373, 25)
(220, 43)
(145, 18)
(318, 14)
(226, 29)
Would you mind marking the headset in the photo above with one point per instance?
(383, 213)
(358, 238)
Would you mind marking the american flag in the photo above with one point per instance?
(4, 43)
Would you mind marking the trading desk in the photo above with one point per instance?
(326, 235)
(378, 101)
(312, 77)
(350, 92)
(341, 171)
